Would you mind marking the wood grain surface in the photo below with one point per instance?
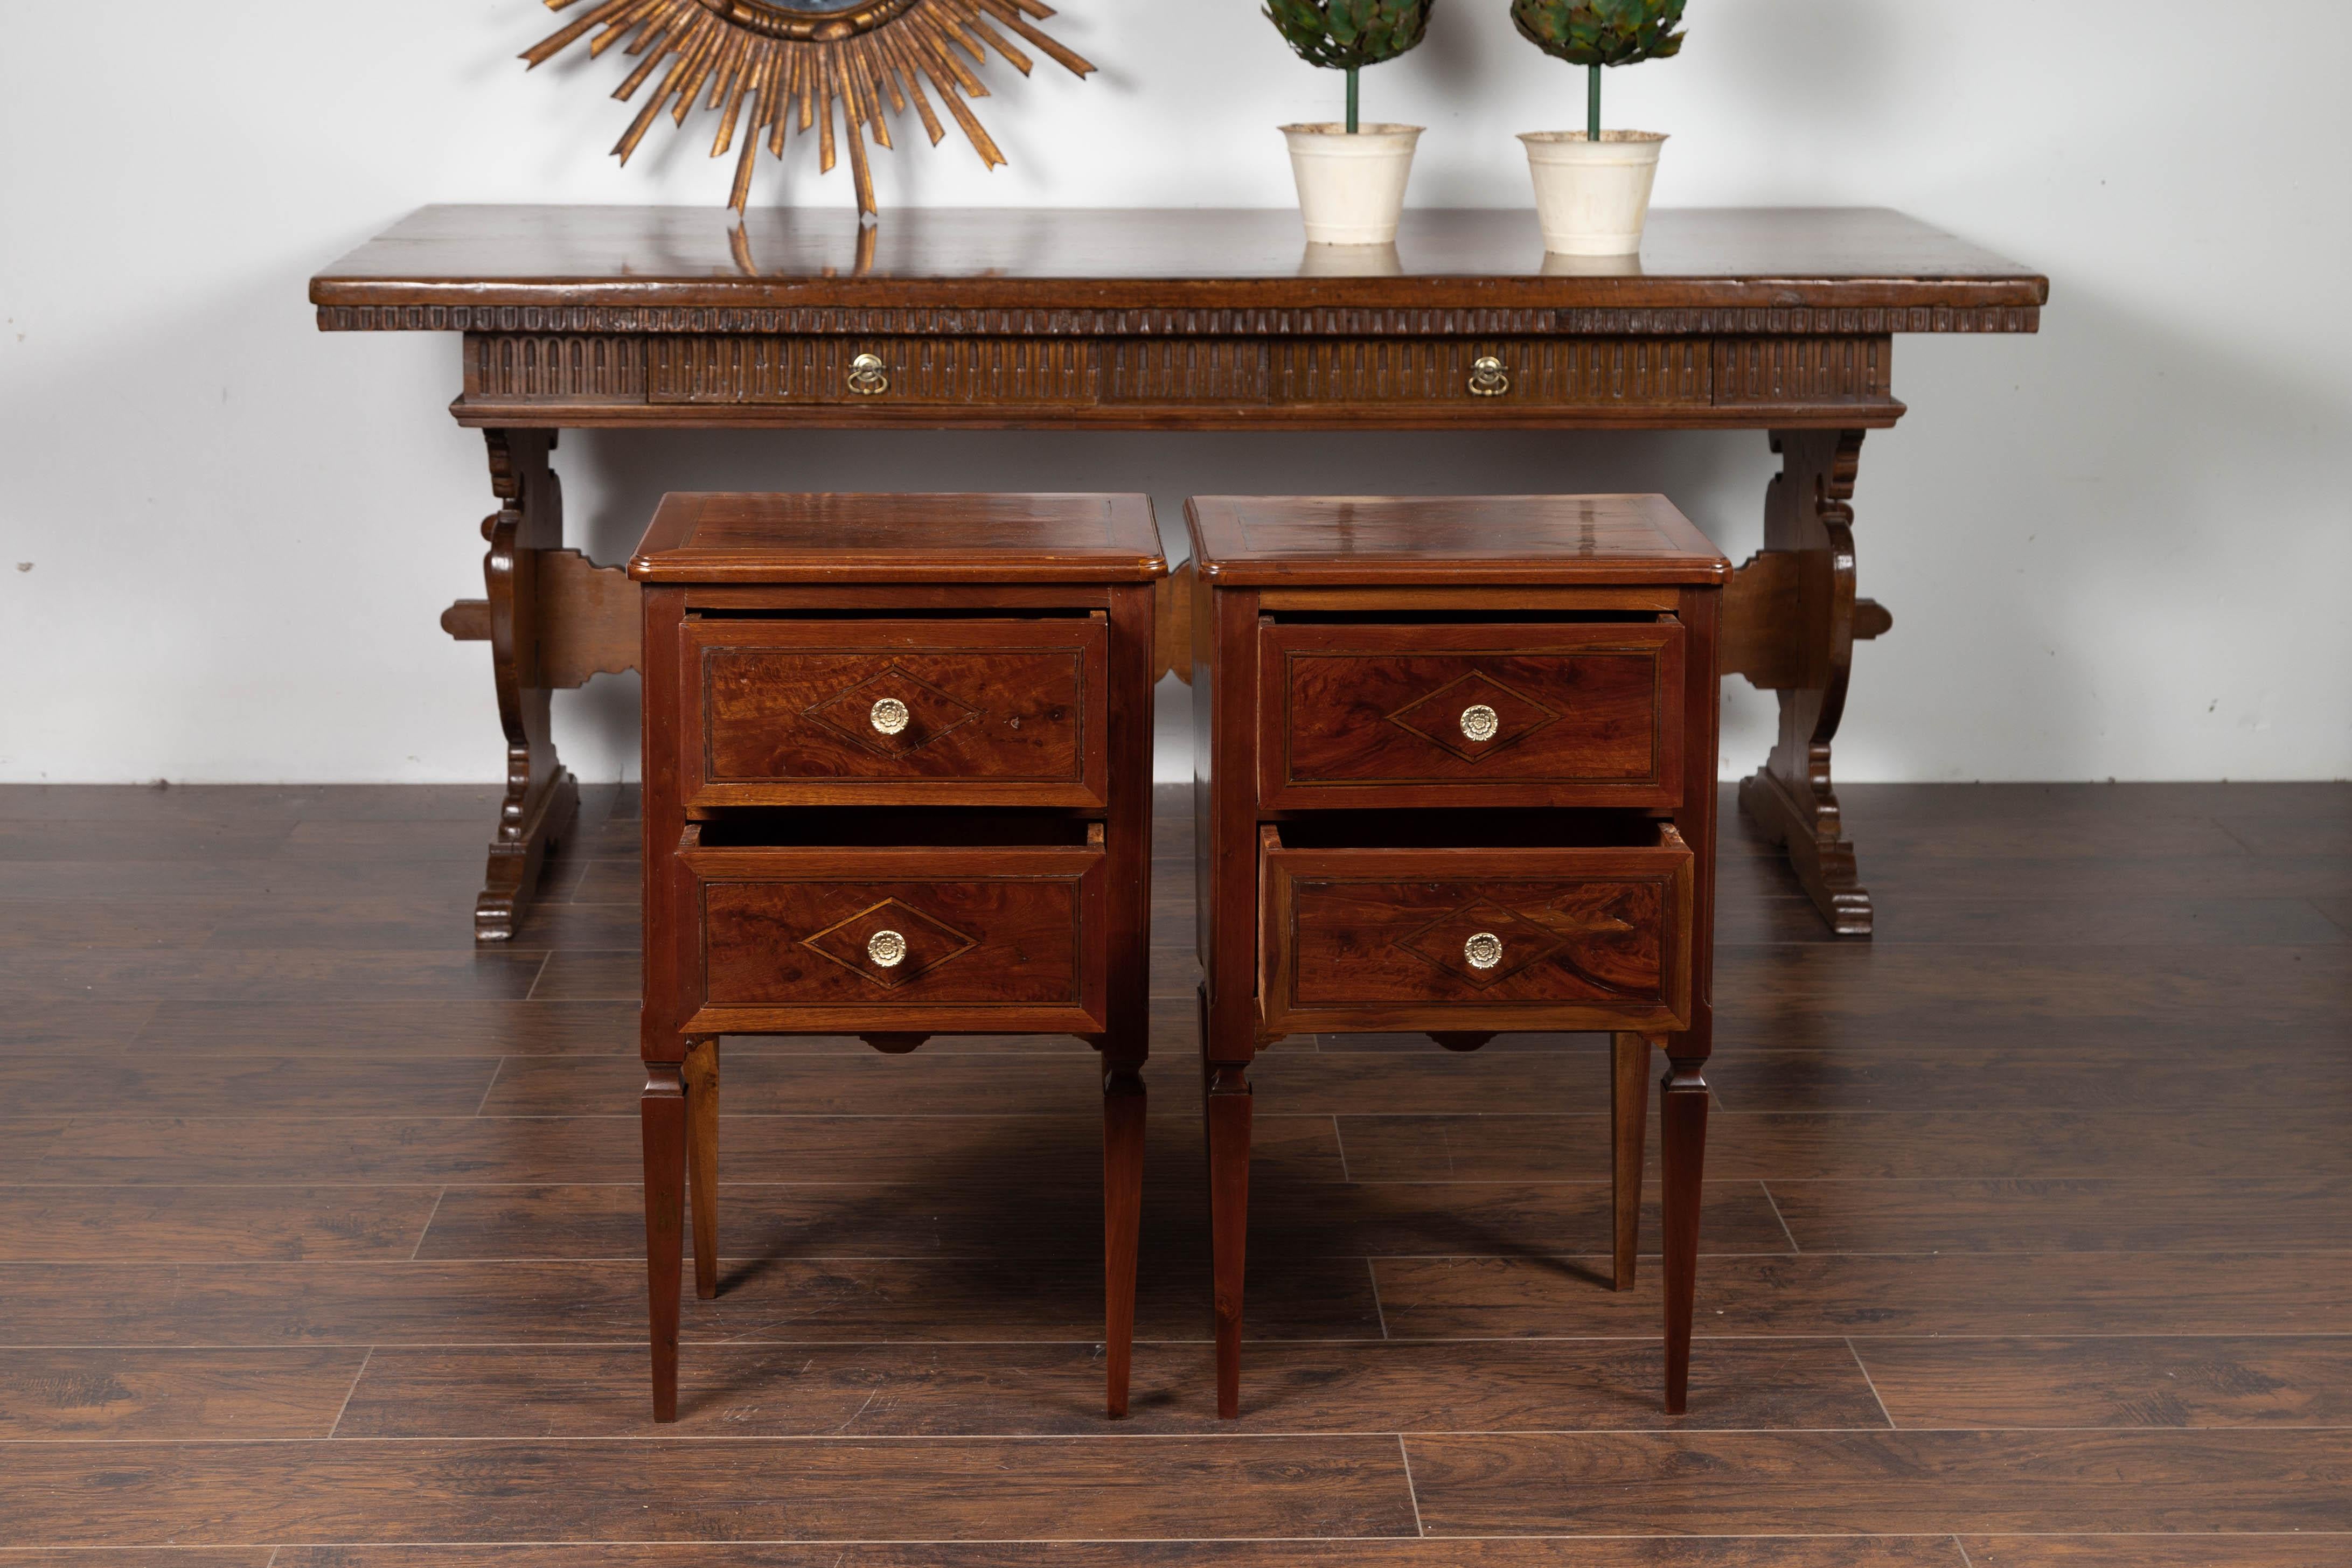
(782, 712)
(1889, 1551)
(2025, 1236)
(768, 538)
(1378, 939)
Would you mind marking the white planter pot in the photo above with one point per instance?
(1351, 261)
(1592, 199)
(1351, 188)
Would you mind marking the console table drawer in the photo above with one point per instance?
(869, 371)
(915, 937)
(1585, 936)
(1574, 714)
(895, 712)
(1475, 373)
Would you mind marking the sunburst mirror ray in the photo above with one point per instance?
(767, 66)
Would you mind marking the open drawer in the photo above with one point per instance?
(1514, 920)
(932, 933)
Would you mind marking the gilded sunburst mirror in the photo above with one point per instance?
(766, 64)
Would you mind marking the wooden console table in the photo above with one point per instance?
(1779, 319)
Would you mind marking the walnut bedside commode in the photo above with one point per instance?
(897, 783)
(1456, 774)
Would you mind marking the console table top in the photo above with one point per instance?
(476, 258)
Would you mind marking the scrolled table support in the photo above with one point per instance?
(553, 618)
(541, 797)
(1790, 623)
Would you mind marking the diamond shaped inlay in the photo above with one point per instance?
(862, 944)
(892, 712)
(1591, 911)
(1498, 716)
(1627, 970)
(1452, 941)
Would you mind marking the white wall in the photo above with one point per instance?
(2119, 548)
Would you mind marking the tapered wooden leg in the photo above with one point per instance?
(1208, 1078)
(1123, 1108)
(1229, 1156)
(701, 1078)
(1682, 1121)
(662, 1112)
(1629, 1107)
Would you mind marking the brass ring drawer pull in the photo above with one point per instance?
(1480, 722)
(866, 376)
(1488, 377)
(887, 948)
(888, 715)
(1484, 950)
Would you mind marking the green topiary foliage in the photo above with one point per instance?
(1348, 35)
(1601, 32)
(1597, 33)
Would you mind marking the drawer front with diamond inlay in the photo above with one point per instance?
(1534, 937)
(1575, 713)
(899, 938)
(974, 713)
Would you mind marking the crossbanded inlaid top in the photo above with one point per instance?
(1417, 539)
(1013, 538)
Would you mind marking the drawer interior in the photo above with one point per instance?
(719, 618)
(1514, 617)
(1498, 830)
(851, 828)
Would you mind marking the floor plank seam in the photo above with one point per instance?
(1966, 1560)
(417, 1252)
(1413, 1493)
(496, 1068)
(2233, 835)
(530, 992)
(1766, 1188)
(575, 1259)
(577, 1542)
(1200, 1435)
(1379, 1313)
(340, 1410)
(1863, 1367)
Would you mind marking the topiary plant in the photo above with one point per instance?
(1597, 33)
(1348, 35)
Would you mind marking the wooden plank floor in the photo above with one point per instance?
(2026, 1229)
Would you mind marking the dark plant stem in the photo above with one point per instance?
(1592, 104)
(1352, 100)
